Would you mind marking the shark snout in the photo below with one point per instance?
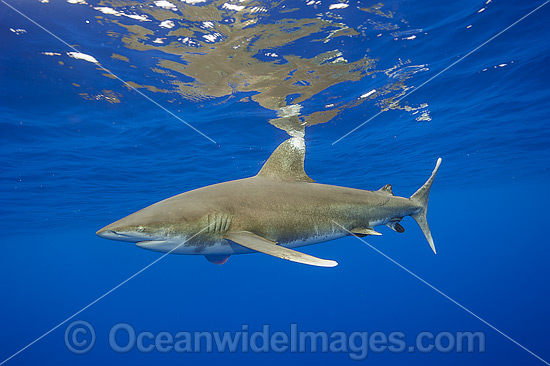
(131, 232)
(120, 231)
(107, 233)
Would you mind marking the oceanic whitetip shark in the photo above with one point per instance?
(278, 209)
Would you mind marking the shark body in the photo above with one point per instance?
(278, 209)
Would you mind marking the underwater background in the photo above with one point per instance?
(96, 103)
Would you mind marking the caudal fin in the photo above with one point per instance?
(420, 197)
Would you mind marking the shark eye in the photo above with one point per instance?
(140, 229)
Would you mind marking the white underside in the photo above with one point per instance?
(180, 245)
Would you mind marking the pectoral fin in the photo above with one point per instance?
(361, 232)
(255, 242)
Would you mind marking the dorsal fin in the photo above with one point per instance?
(287, 162)
(387, 188)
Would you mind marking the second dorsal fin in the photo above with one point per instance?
(287, 162)
(387, 189)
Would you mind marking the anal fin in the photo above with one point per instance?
(396, 226)
(255, 242)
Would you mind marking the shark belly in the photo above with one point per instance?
(186, 245)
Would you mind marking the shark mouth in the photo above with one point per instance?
(148, 243)
(113, 235)
(162, 246)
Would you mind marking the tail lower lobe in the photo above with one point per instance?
(420, 197)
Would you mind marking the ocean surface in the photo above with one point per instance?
(107, 107)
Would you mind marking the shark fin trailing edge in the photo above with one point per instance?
(421, 198)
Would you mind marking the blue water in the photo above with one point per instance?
(71, 165)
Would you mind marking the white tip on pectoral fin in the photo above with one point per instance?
(255, 242)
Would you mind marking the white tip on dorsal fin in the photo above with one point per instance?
(287, 162)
